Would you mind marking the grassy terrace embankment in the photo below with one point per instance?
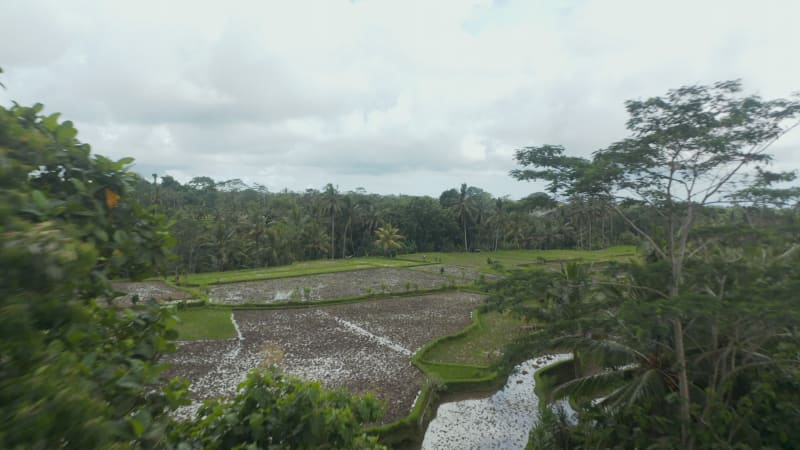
(509, 259)
(317, 267)
(479, 261)
(204, 323)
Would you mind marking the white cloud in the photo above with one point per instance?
(472, 149)
(412, 96)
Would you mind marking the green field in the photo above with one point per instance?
(510, 259)
(480, 344)
(204, 323)
(294, 270)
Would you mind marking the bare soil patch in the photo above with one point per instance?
(146, 290)
(326, 286)
(362, 347)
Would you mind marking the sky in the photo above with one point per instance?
(395, 97)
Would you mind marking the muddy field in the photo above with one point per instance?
(363, 347)
(327, 286)
(146, 290)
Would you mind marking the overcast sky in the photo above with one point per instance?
(410, 97)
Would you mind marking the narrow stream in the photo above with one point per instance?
(502, 421)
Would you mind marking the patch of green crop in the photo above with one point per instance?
(480, 345)
(497, 262)
(449, 372)
(294, 270)
(204, 323)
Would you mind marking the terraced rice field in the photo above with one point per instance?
(327, 286)
(362, 347)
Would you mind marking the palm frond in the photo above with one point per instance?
(592, 386)
(649, 384)
(600, 350)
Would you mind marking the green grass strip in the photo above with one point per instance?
(509, 259)
(204, 323)
(295, 270)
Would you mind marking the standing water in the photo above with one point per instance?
(502, 421)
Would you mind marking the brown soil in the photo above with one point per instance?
(362, 347)
(326, 286)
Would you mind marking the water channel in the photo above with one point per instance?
(502, 421)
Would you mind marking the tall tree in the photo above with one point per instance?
(687, 150)
(499, 221)
(331, 207)
(460, 204)
(73, 373)
(388, 237)
(348, 209)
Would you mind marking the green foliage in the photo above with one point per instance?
(688, 150)
(481, 344)
(51, 177)
(509, 260)
(388, 238)
(228, 225)
(667, 345)
(551, 431)
(73, 373)
(741, 348)
(278, 412)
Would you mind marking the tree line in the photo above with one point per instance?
(228, 225)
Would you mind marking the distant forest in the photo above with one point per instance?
(228, 225)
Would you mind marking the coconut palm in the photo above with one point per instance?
(331, 207)
(388, 238)
(498, 221)
(348, 212)
(464, 210)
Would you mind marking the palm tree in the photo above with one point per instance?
(627, 372)
(331, 206)
(499, 220)
(388, 238)
(367, 218)
(463, 210)
(348, 210)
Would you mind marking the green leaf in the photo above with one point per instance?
(39, 199)
(66, 133)
(120, 236)
(79, 186)
(51, 122)
(101, 234)
(138, 427)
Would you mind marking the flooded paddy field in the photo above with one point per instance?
(362, 347)
(327, 286)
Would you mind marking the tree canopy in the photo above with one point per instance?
(689, 332)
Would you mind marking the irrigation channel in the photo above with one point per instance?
(502, 421)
